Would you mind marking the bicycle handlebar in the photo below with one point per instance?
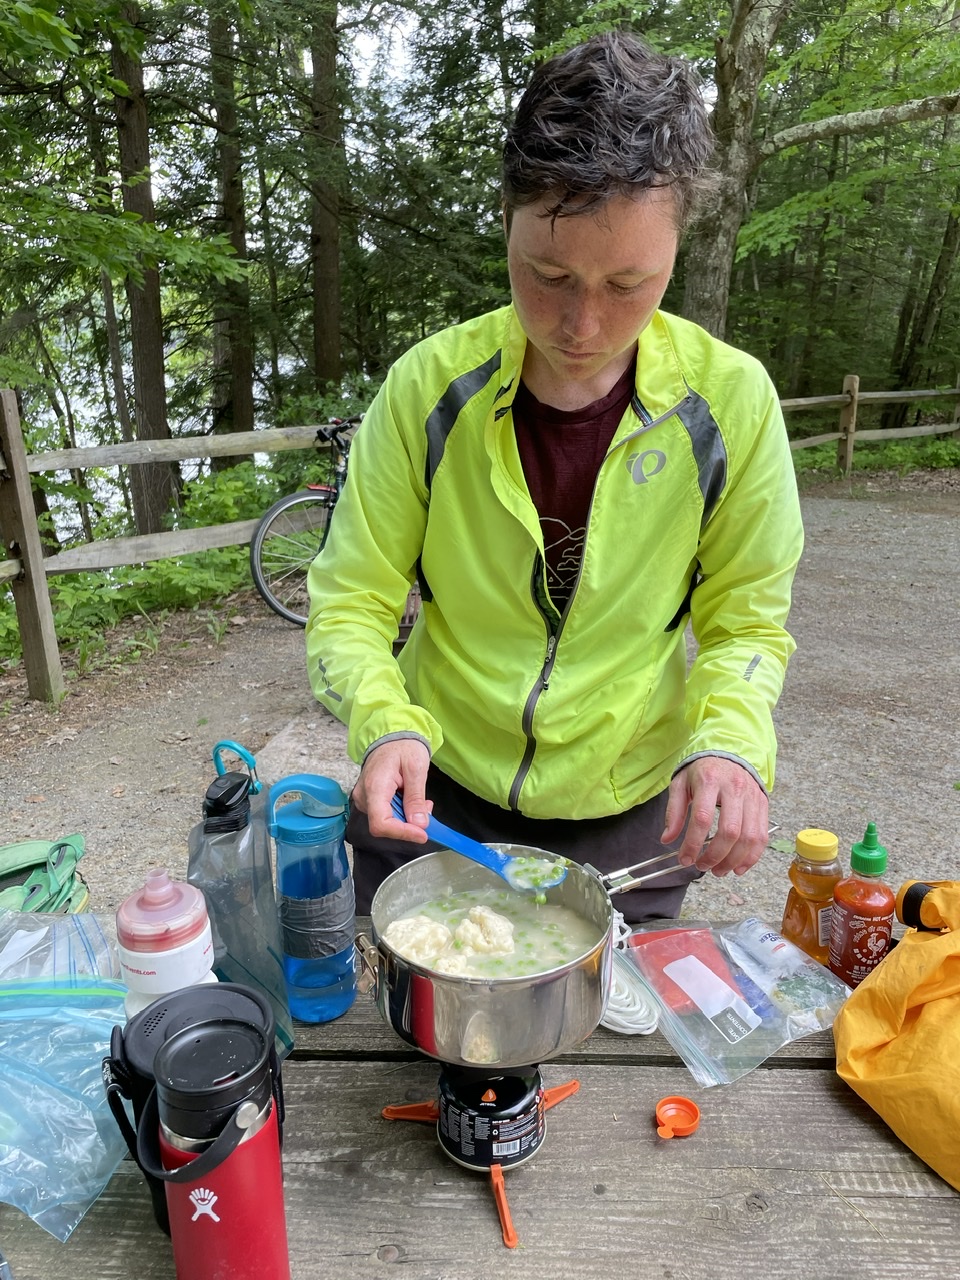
(335, 431)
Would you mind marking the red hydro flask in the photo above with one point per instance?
(214, 1122)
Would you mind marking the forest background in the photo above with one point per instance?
(234, 215)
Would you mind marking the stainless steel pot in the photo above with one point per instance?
(503, 1022)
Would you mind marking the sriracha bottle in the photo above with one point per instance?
(863, 909)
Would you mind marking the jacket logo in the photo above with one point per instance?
(642, 466)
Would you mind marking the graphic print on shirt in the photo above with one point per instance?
(563, 552)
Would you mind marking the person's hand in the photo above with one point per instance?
(710, 788)
(398, 765)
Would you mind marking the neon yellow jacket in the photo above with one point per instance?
(580, 715)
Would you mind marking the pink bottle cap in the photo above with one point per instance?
(163, 914)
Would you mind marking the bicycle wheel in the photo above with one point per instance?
(285, 544)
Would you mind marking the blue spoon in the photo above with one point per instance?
(520, 872)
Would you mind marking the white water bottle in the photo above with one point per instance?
(164, 940)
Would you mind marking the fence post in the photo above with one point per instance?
(848, 423)
(955, 420)
(18, 525)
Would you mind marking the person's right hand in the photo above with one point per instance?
(398, 765)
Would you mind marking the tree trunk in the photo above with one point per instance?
(268, 332)
(740, 65)
(62, 410)
(912, 366)
(325, 137)
(927, 318)
(802, 383)
(232, 396)
(154, 485)
(111, 324)
(111, 375)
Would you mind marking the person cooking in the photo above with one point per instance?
(571, 479)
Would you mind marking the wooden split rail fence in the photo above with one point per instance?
(27, 569)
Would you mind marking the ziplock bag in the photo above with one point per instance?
(730, 996)
(898, 1036)
(59, 1145)
(35, 945)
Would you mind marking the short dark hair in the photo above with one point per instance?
(609, 117)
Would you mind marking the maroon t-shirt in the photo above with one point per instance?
(561, 452)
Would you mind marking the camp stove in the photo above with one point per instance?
(488, 1122)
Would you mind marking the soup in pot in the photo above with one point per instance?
(490, 933)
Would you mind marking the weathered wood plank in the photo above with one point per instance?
(236, 444)
(815, 402)
(788, 1174)
(809, 441)
(149, 546)
(177, 542)
(18, 526)
(905, 433)
(906, 397)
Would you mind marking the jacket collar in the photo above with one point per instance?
(660, 385)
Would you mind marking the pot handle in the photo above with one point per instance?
(369, 958)
(620, 881)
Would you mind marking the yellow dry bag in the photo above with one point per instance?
(898, 1035)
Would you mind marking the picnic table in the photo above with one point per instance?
(788, 1174)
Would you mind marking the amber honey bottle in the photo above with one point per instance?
(813, 873)
(863, 909)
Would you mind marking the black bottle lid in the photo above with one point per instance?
(226, 806)
(909, 904)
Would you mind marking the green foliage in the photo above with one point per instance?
(31, 32)
(88, 605)
(835, 263)
(921, 454)
(241, 492)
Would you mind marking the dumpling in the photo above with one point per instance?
(418, 938)
(485, 932)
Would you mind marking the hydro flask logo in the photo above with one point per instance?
(642, 466)
(203, 1202)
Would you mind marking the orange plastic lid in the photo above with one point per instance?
(677, 1117)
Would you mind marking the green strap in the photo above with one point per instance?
(41, 875)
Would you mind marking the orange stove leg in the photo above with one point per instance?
(503, 1209)
(557, 1094)
(426, 1112)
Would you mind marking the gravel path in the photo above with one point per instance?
(867, 723)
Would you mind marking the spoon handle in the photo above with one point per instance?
(457, 841)
(460, 843)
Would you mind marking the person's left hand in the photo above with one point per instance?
(709, 788)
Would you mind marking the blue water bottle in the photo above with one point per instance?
(314, 896)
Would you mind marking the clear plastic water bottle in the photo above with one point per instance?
(230, 862)
(315, 896)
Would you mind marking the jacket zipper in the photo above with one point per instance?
(542, 682)
(529, 707)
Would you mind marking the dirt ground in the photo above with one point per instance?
(867, 723)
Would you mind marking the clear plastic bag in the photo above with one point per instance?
(731, 995)
(69, 948)
(59, 1144)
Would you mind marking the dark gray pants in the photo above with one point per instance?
(622, 840)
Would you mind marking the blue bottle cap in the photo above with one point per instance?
(293, 826)
(319, 815)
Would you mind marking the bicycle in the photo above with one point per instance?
(292, 532)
